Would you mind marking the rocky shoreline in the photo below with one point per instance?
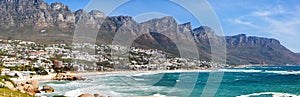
(67, 77)
(92, 95)
(30, 85)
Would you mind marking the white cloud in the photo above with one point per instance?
(262, 13)
(240, 21)
(279, 23)
(283, 27)
(279, 10)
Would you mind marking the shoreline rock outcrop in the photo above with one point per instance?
(67, 77)
(48, 89)
(92, 95)
(31, 87)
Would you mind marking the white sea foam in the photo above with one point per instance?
(74, 93)
(239, 70)
(267, 71)
(266, 67)
(270, 67)
(93, 90)
(122, 86)
(159, 95)
(284, 72)
(118, 89)
(142, 74)
(274, 94)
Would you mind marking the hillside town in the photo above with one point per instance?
(23, 58)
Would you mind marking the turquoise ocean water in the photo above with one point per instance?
(260, 81)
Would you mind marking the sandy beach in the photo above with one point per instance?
(34, 77)
(83, 74)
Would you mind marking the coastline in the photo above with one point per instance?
(34, 77)
(87, 73)
(83, 74)
(249, 65)
(138, 73)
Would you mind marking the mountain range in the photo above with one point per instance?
(38, 21)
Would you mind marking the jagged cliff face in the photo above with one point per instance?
(55, 23)
(243, 40)
(40, 15)
(35, 12)
(258, 50)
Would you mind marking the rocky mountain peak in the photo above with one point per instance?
(97, 14)
(204, 32)
(243, 40)
(59, 6)
(121, 18)
(19, 5)
(18, 1)
(187, 26)
(79, 12)
(167, 19)
(203, 29)
(241, 36)
(163, 25)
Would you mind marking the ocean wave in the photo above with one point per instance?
(118, 89)
(142, 74)
(266, 67)
(159, 95)
(284, 72)
(93, 90)
(74, 93)
(239, 70)
(262, 71)
(274, 94)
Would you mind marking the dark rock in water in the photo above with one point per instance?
(90, 95)
(67, 77)
(86, 95)
(98, 95)
(48, 89)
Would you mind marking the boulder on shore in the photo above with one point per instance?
(67, 77)
(34, 83)
(86, 95)
(32, 90)
(90, 95)
(9, 85)
(30, 87)
(98, 95)
(48, 89)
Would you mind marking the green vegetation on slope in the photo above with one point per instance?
(5, 92)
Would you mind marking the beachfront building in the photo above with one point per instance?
(14, 63)
(5, 71)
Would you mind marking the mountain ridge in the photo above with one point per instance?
(56, 23)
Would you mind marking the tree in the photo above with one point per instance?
(1, 69)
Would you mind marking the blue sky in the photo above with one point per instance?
(279, 19)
